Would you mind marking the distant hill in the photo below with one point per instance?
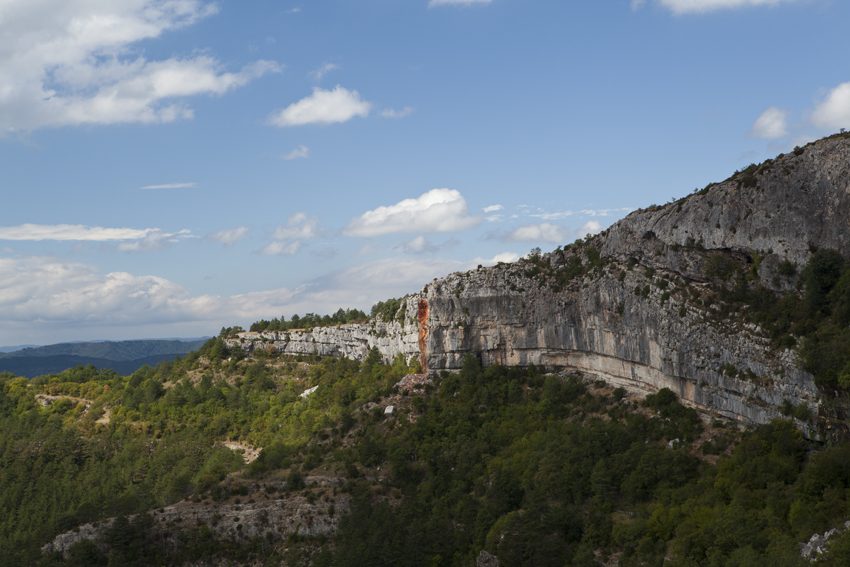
(125, 357)
(4, 349)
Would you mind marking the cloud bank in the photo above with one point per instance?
(77, 232)
(438, 210)
(46, 298)
(71, 62)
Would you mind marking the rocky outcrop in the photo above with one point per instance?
(627, 306)
(818, 544)
(391, 338)
(783, 209)
(601, 327)
(280, 517)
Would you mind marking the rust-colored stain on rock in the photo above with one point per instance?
(423, 335)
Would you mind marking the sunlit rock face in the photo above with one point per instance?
(399, 336)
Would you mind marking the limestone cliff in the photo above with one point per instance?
(391, 338)
(626, 305)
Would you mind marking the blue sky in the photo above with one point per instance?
(173, 166)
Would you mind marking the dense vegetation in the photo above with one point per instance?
(310, 320)
(817, 320)
(535, 469)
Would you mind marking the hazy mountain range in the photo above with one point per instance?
(124, 357)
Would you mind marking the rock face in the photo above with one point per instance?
(399, 336)
(629, 312)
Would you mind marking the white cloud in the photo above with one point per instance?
(78, 232)
(493, 208)
(834, 112)
(154, 240)
(702, 6)
(457, 2)
(72, 62)
(392, 113)
(605, 212)
(47, 294)
(229, 236)
(506, 257)
(171, 186)
(590, 227)
(544, 232)
(495, 218)
(322, 71)
(418, 245)
(771, 124)
(301, 152)
(553, 216)
(278, 248)
(438, 210)
(299, 225)
(322, 107)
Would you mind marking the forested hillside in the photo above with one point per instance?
(498, 464)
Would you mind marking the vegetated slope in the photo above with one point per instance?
(502, 465)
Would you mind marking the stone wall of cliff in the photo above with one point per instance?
(391, 338)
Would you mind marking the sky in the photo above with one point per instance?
(170, 167)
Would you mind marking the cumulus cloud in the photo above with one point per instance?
(456, 2)
(392, 113)
(542, 232)
(171, 186)
(771, 124)
(438, 210)
(299, 225)
(72, 62)
(301, 152)
(278, 248)
(588, 228)
(493, 208)
(679, 7)
(322, 107)
(834, 112)
(78, 232)
(229, 236)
